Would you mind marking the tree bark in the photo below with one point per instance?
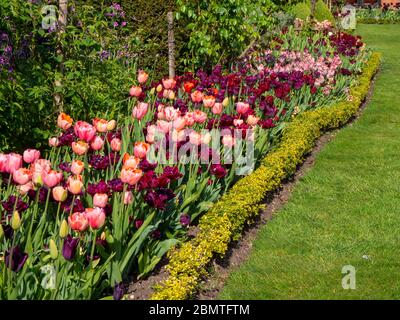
(313, 3)
(62, 23)
(171, 45)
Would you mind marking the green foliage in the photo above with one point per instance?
(322, 12)
(378, 16)
(302, 11)
(98, 63)
(217, 31)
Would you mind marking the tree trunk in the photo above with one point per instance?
(62, 23)
(171, 45)
(313, 3)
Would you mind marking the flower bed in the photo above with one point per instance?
(378, 16)
(112, 197)
(225, 221)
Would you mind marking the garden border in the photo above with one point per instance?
(226, 219)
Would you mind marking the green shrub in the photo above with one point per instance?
(322, 12)
(302, 10)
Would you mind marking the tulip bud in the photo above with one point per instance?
(109, 239)
(53, 249)
(159, 88)
(152, 91)
(103, 236)
(15, 221)
(225, 102)
(1, 232)
(64, 229)
(111, 125)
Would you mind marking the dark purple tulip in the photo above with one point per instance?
(119, 291)
(184, 219)
(18, 259)
(69, 247)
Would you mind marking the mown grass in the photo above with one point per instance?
(345, 211)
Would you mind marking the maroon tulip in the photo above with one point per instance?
(18, 259)
(69, 247)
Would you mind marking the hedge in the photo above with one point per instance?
(226, 220)
(303, 11)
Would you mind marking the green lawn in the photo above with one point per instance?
(347, 207)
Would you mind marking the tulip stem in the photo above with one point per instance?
(91, 261)
(10, 264)
(57, 218)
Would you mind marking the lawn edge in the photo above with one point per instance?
(225, 221)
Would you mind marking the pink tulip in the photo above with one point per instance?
(78, 221)
(217, 108)
(97, 143)
(111, 125)
(178, 136)
(116, 144)
(206, 138)
(228, 141)
(209, 101)
(80, 147)
(197, 96)
(199, 116)
(169, 83)
(151, 131)
(51, 178)
(238, 122)
(142, 76)
(100, 200)
(179, 123)
(100, 125)
(24, 189)
(128, 197)
(14, 162)
(59, 194)
(77, 167)
(64, 121)
(140, 110)
(169, 94)
(95, 217)
(130, 176)
(135, 91)
(31, 155)
(74, 184)
(195, 138)
(252, 120)
(171, 113)
(164, 126)
(189, 119)
(140, 150)
(85, 131)
(3, 162)
(22, 176)
(53, 142)
(130, 161)
(242, 107)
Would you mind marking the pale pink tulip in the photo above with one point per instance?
(31, 155)
(59, 194)
(84, 131)
(80, 147)
(242, 107)
(142, 76)
(116, 144)
(51, 178)
(14, 162)
(130, 176)
(96, 217)
(199, 116)
(77, 167)
(217, 108)
(195, 138)
(22, 176)
(179, 123)
(64, 121)
(197, 96)
(169, 83)
(135, 91)
(208, 101)
(141, 149)
(53, 142)
(128, 197)
(140, 110)
(97, 143)
(75, 184)
(78, 221)
(100, 200)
